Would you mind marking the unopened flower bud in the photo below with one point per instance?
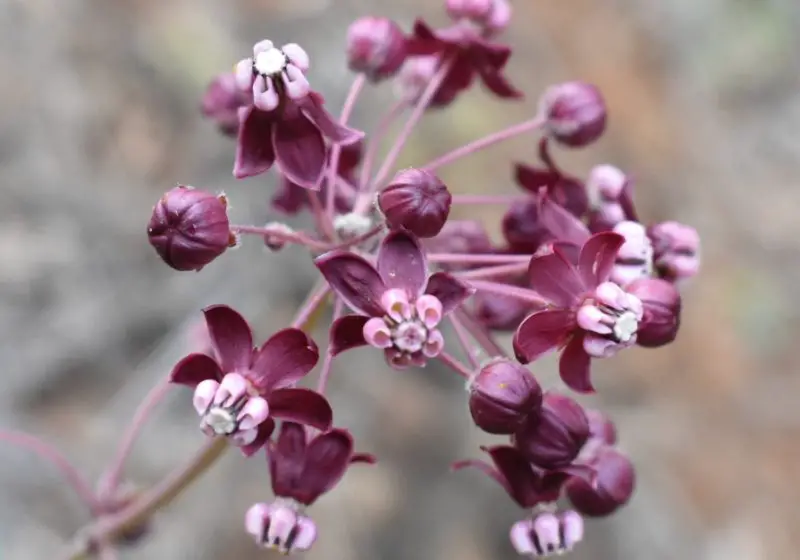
(662, 311)
(554, 437)
(677, 248)
(416, 200)
(635, 257)
(376, 47)
(502, 396)
(575, 113)
(604, 187)
(222, 101)
(189, 228)
(614, 484)
(547, 534)
(279, 526)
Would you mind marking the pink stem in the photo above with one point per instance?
(361, 238)
(479, 333)
(463, 340)
(323, 221)
(493, 271)
(327, 361)
(336, 150)
(280, 234)
(60, 462)
(455, 365)
(375, 141)
(507, 290)
(315, 298)
(469, 258)
(485, 142)
(483, 199)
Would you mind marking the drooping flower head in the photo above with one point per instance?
(376, 46)
(613, 486)
(415, 200)
(400, 304)
(238, 392)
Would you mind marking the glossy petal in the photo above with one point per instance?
(327, 458)
(254, 151)
(354, 279)
(300, 405)
(540, 332)
(286, 457)
(329, 126)
(597, 257)
(231, 338)
(561, 223)
(194, 369)
(555, 278)
(402, 264)
(449, 290)
(347, 332)
(574, 366)
(265, 430)
(532, 179)
(300, 151)
(284, 359)
(518, 472)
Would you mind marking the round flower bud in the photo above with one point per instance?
(575, 113)
(502, 397)
(222, 101)
(417, 201)
(189, 228)
(613, 488)
(662, 311)
(491, 15)
(553, 438)
(376, 47)
(677, 250)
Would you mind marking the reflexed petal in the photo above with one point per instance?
(402, 264)
(300, 405)
(254, 151)
(597, 257)
(230, 336)
(518, 472)
(498, 84)
(561, 223)
(286, 456)
(449, 290)
(195, 368)
(265, 430)
(574, 366)
(540, 332)
(367, 458)
(485, 468)
(347, 332)
(285, 358)
(555, 278)
(324, 121)
(300, 151)
(354, 280)
(533, 178)
(327, 458)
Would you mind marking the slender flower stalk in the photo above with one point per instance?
(463, 339)
(327, 361)
(503, 270)
(384, 124)
(283, 235)
(479, 333)
(455, 365)
(522, 294)
(336, 149)
(484, 199)
(321, 218)
(312, 303)
(477, 259)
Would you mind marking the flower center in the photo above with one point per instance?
(222, 421)
(410, 336)
(270, 62)
(626, 326)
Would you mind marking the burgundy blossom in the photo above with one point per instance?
(589, 316)
(376, 47)
(553, 438)
(416, 200)
(222, 101)
(613, 486)
(399, 304)
(502, 396)
(677, 250)
(575, 113)
(239, 392)
(189, 228)
(662, 311)
(287, 122)
(302, 468)
(414, 77)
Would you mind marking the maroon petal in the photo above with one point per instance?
(286, 457)
(424, 41)
(561, 223)
(574, 366)
(195, 368)
(518, 472)
(367, 458)
(230, 336)
(347, 332)
(541, 332)
(300, 151)
(555, 278)
(284, 359)
(300, 405)
(533, 178)
(289, 198)
(498, 84)
(265, 430)
(483, 467)
(354, 280)
(401, 262)
(449, 290)
(254, 151)
(597, 257)
(327, 458)
(327, 124)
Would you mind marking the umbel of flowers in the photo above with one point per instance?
(578, 273)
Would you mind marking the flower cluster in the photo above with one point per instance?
(577, 272)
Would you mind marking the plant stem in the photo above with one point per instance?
(280, 234)
(479, 333)
(455, 365)
(375, 141)
(522, 294)
(323, 221)
(361, 238)
(463, 339)
(483, 199)
(476, 258)
(490, 271)
(312, 302)
(327, 361)
(336, 149)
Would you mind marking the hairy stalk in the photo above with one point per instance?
(327, 361)
(463, 339)
(296, 237)
(522, 294)
(336, 149)
(483, 199)
(455, 365)
(321, 219)
(384, 124)
(493, 271)
(477, 259)
(312, 303)
(479, 333)
(361, 238)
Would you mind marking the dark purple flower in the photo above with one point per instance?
(589, 315)
(287, 122)
(416, 200)
(677, 250)
(399, 303)
(547, 533)
(376, 47)
(491, 16)
(613, 486)
(189, 228)
(662, 311)
(301, 470)
(553, 438)
(502, 396)
(575, 113)
(222, 101)
(241, 390)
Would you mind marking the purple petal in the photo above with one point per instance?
(286, 457)
(325, 123)
(541, 332)
(491, 54)
(254, 151)
(555, 278)
(574, 366)
(265, 430)
(347, 332)
(597, 257)
(402, 264)
(423, 41)
(327, 458)
(354, 280)
(300, 405)
(533, 178)
(561, 223)
(195, 368)
(367, 458)
(284, 359)
(518, 472)
(289, 198)
(449, 290)
(483, 467)
(300, 151)
(498, 84)
(231, 338)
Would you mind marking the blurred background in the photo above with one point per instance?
(98, 117)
